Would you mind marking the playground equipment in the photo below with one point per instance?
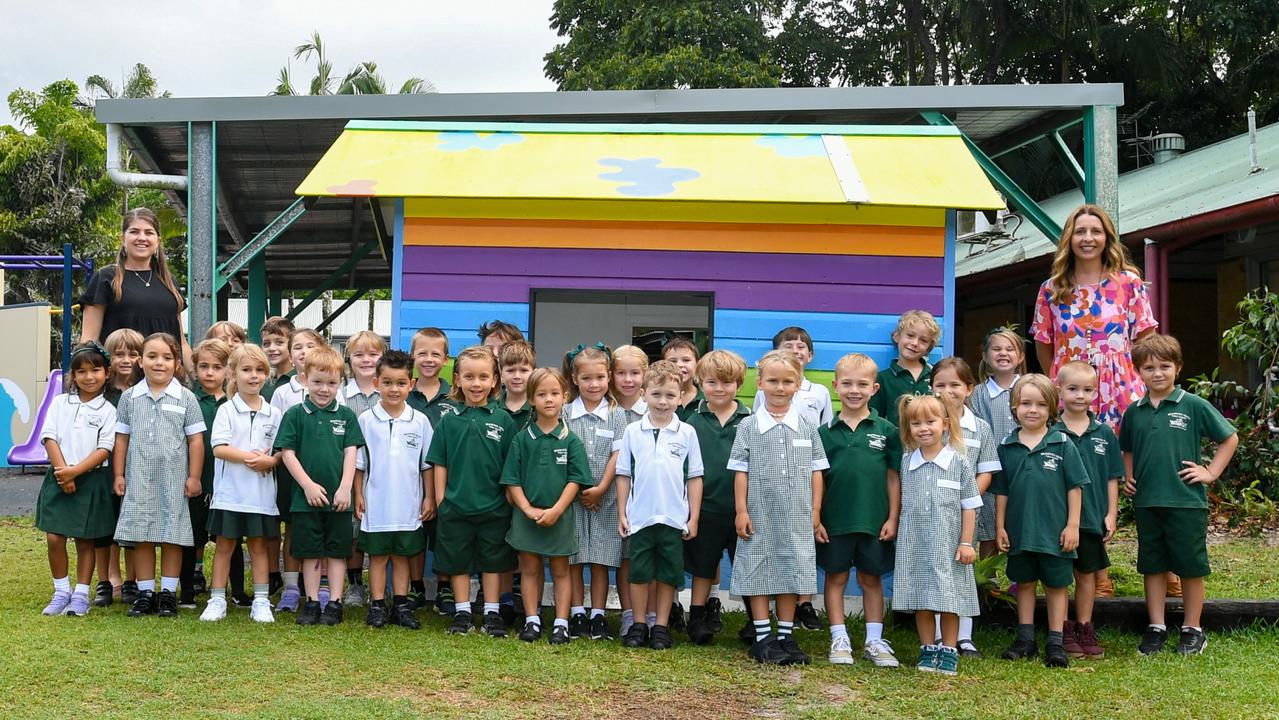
(24, 370)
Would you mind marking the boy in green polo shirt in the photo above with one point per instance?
(430, 396)
(860, 506)
(517, 361)
(318, 440)
(1099, 449)
(467, 452)
(715, 418)
(1160, 437)
(916, 335)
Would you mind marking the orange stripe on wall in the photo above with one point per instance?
(709, 237)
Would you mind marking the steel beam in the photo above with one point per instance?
(259, 243)
(341, 309)
(202, 227)
(1101, 159)
(334, 277)
(1068, 159)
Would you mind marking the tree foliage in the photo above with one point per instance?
(362, 79)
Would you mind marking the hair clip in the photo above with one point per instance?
(571, 354)
(91, 346)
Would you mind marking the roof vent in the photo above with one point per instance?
(1166, 146)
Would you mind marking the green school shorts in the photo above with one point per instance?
(716, 532)
(1051, 570)
(860, 550)
(321, 535)
(466, 544)
(657, 553)
(1172, 540)
(403, 543)
(1092, 553)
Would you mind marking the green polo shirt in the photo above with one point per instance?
(434, 408)
(716, 442)
(522, 417)
(473, 444)
(686, 411)
(543, 464)
(1099, 450)
(320, 437)
(1036, 481)
(268, 387)
(855, 499)
(1160, 438)
(896, 381)
(209, 409)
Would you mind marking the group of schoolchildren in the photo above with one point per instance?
(610, 470)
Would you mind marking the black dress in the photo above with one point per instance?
(145, 309)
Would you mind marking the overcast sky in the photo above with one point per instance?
(235, 48)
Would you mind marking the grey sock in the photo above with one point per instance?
(1054, 637)
(217, 592)
(1027, 632)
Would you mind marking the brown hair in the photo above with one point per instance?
(159, 265)
(278, 325)
(1159, 347)
(662, 372)
(219, 349)
(542, 375)
(475, 352)
(430, 333)
(910, 407)
(233, 329)
(175, 349)
(503, 330)
(517, 352)
(245, 352)
(595, 353)
(961, 368)
(323, 359)
(1045, 387)
(126, 339)
(679, 342)
(722, 365)
(780, 357)
(922, 319)
(1076, 367)
(308, 333)
(794, 332)
(1114, 257)
(1009, 333)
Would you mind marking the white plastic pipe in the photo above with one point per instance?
(132, 179)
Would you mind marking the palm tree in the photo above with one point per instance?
(139, 83)
(362, 79)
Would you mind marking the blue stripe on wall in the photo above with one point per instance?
(458, 320)
(749, 333)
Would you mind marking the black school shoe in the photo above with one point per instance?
(241, 599)
(578, 626)
(747, 633)
(1022, 650)
(129, 592)
(494, 626)
(1152, 641)
(806, 617)
(198, 584)
(187, 600)
(507, 613)
(660, 638)
(1055, 656)
(714, 622)
(637, 636)
(559, 635)
(403, 616)
(769, 652)
(103, 595)
(532, 632)
(699, 632)
(310, 613)
(461, 623)
(599, 628)
(144, 603)
(378, 615)
(677, 622)
(167, 604)
(794, 655)
(332, 613)
(1192, 642)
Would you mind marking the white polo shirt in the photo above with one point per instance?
(288, 395)
(79, 428)
(235, 486)
(659, 462)
(393, 458)
(813, 402)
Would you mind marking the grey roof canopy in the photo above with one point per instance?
(265, 146)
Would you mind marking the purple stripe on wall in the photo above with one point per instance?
(827, 269)
(728, 294)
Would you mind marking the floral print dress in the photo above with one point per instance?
(1098, 326)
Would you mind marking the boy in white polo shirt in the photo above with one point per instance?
(659, 497)
(393, 494)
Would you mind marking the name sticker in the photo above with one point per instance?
(600, 432)
(802, 442)
(174, 409)
(951, 484)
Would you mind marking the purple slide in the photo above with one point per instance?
(32, 451)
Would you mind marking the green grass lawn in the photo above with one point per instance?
(108, 665)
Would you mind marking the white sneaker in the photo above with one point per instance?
(841, 651)
(215, 610)
(354, 596)
(260, 611)
(880, 653)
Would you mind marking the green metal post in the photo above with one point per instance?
(275, 303)
(257, 297)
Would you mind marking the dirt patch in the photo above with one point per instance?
(624, 701)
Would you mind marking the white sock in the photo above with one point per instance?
(535, 619)
(492, 607)
(144, 585)
(762, 629)
(965, 628)
(215, 593)
(290, 579)
(838, 631)
(1159, 627)
(577, 610)
(874, 631)
(597, 612)
(168, 583)
(628, 617)
(82, 589)
(62, 584)
(1183, 627)
(937, 625)
(651, 619)
(561, 622)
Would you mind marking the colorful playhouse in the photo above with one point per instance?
(622, 233)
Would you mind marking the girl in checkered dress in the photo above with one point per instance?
(592, 416)
(934, 573)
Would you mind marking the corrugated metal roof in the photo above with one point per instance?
(1200, 181)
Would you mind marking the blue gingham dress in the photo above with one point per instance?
(983, 453)
(154, 509)
(781, 557)
(598, 541)
(926, 576)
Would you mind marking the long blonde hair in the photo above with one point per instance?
(1114, 258)
(159, 265)
(910, 407)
